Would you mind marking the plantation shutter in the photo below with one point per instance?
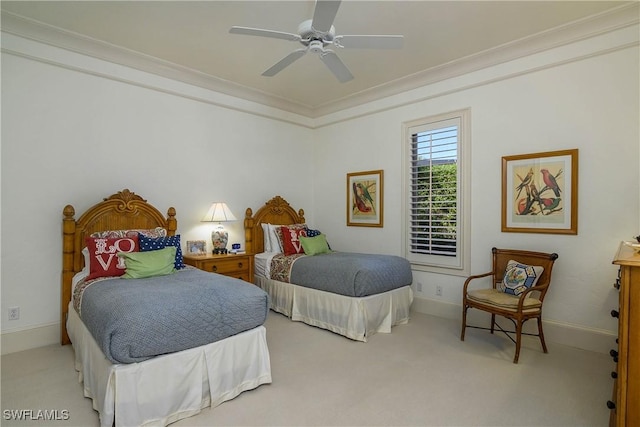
(434, 189)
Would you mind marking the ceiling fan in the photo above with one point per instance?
(318, 33)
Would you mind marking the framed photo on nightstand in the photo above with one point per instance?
(196, 247)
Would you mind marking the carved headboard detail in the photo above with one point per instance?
(275, 211)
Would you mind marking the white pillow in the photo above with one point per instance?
(266, 237)
(276, 246)
(87, 259)
(82, 273)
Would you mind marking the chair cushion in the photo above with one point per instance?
(519, 277)
(496, 298)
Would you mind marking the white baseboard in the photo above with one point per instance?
(26, 339)
(597, 340)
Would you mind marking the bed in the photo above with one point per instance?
(176, 379)
(354, 310)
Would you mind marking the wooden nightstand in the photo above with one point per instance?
(239, 266)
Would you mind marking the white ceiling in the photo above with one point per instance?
(193, 38)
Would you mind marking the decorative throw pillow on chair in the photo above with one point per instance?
(519, 277)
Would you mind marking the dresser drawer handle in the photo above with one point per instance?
(214, 268)
(615, 313)
(239, 265)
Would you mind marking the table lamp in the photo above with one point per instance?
(219, 212)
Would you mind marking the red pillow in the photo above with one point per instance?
(290, 242)
(103, 255)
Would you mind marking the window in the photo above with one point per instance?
(436, 195)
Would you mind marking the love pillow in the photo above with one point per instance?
(103, 255)
(291, 240)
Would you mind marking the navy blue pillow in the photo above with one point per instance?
(154, 243)
(313, 233)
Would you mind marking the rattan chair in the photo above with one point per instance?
(517, 308)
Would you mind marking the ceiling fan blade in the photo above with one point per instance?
(265, 33)
(337, 67)
(324, 14)
(285, 62)
(370, 42)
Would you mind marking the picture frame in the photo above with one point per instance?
(365, 201)
(540, 192)
(196, 247)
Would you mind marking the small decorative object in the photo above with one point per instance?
(540, 192)
(235, 248)
(219, 212)
(196, 247)
(364, 199)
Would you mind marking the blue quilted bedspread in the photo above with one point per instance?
(136, 319)
(351, 274)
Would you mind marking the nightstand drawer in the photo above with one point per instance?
(238, 266)
(242, 275)
(224, 266)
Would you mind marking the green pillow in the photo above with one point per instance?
(315, 245)
(149, 264)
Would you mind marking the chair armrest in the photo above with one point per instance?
(470, 278)
(527, 291)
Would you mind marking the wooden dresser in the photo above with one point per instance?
(625, 403)
(239, 266)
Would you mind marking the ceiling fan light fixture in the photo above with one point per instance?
(316, 46)
(314, 34)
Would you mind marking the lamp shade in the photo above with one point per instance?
(219, 212)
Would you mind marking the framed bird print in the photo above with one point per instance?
(364, 199)
(540, 192)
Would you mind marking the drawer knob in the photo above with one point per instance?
(239, 265)
(611, 405)
(614, 374)
(615, 313)
(214, 268)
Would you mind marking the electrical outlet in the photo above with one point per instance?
(14, 313)
(438, 290)
(419, 287)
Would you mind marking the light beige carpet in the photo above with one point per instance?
(420, 375)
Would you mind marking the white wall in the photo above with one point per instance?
(71, 137)
(75, 129)
(585, 99)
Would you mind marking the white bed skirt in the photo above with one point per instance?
(167, 388)
(353, 317)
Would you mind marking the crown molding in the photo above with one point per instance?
(614, 19)
(57, 37)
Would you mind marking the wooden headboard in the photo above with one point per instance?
(275, 211)
(124, 210)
